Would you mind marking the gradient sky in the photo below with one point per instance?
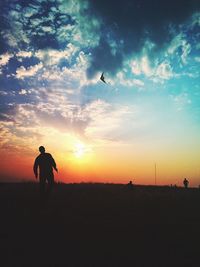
(52, 53)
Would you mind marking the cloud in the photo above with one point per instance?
(54, 114)
(70, 77)
(175, 43)
(135, 68)
(181, 101)
(55, 30)
(138, 82)
(22, 72)
(53, 57)
(121, 79)
(48, 25)
(141, 65)
(3, 93)
(145, 66)
(134, 23)
(154, 71)
(195, 20)
(186, 49)
(179, 46)
(24, 92)
(53, 110)
(107, 121)
(103, 59)
(4, 59)
(84, 31)
(164, 71)
(5, 133)
(16, 140)
(24, 54)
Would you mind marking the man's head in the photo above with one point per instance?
(42, 149)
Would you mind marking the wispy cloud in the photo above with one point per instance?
(121, 79)
(186, 49)
(152, 70)
(181, 101)
(24, 54)
(4, 59)
(22, 72)
(53, 56)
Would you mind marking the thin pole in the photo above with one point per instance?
(155, 175)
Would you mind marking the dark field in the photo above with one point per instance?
(99, 225)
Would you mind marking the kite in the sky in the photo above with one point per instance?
(102, 78)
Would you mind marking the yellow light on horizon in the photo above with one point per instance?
(79, 150)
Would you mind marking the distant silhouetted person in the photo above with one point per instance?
(130, 185)
(186, 183)
(46, 164)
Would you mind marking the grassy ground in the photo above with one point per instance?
(99, 225)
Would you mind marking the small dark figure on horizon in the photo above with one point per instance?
(130, 185)
(186, 183)
(46, 164)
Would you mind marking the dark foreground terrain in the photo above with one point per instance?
(99, 225)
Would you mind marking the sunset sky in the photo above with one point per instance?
(52, 54)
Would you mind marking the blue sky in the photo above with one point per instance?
(52, 54)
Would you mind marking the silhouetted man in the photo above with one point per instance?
(46, 164)
(185, 182)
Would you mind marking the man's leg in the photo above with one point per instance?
(50, 182)
(42, 187)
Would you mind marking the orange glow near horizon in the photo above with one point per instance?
(83, 160)
(79, 161)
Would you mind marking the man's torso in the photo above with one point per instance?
(44, 162)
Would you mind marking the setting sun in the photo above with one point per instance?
(79, 150)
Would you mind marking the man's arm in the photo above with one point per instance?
(53, 164)
(35, 168)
